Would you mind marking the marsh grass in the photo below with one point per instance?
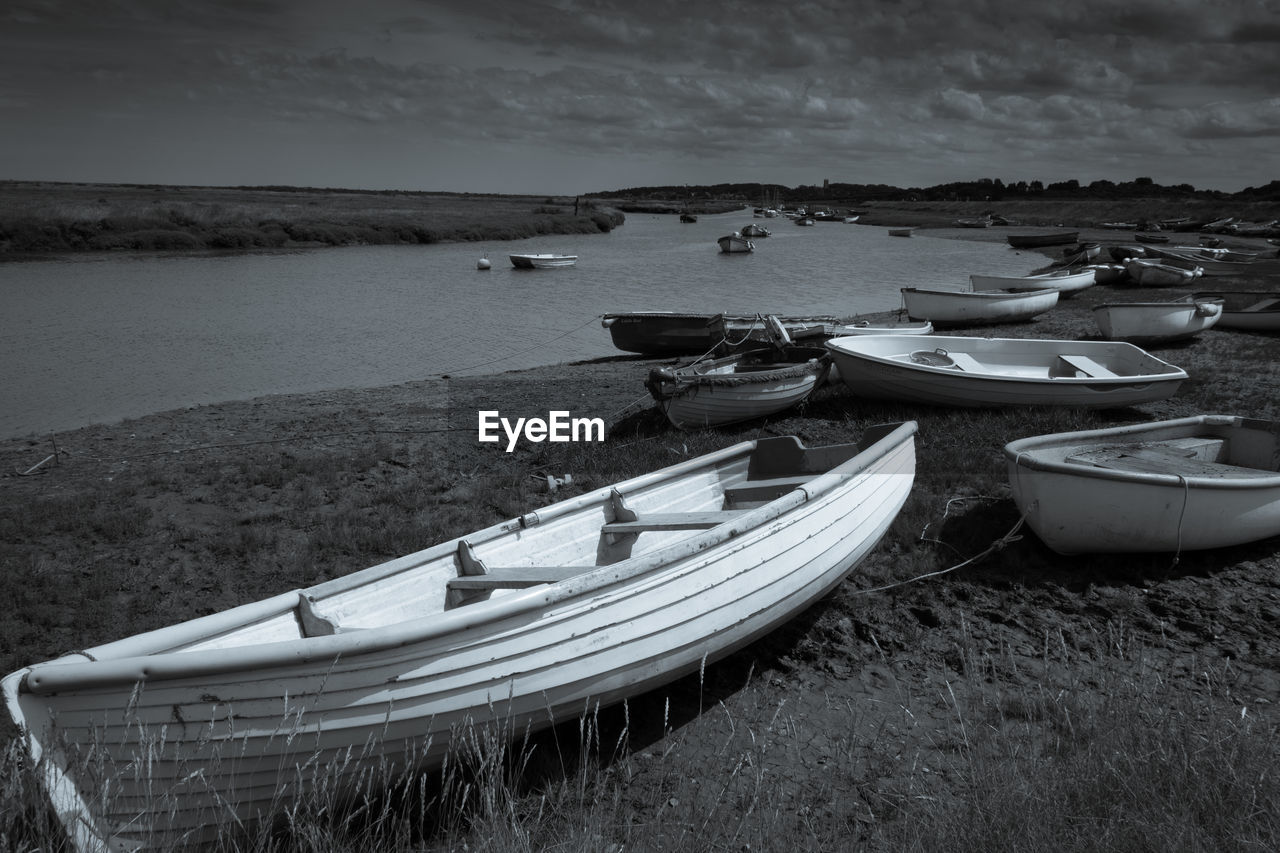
(55, 217)
(1032, 763)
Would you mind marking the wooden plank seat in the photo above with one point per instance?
(1163, 460)
(764, 490)
(1088, 366)
(517, 577)
(672, 521)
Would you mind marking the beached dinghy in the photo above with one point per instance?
(1208, 260)
(1181, 485)
(958, 371)
(669, 333)
(1148, 273)
(1154, 322)
(1256, 310)
(739, 387)
(879, 327)
(976, 308)
(577, 605)
(1066, 281)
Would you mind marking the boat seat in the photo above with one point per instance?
(1088, 366)
(516, 577)
(964, 361)
(764, 490)
(672, 521)
(1163, 460)
(1267, 304)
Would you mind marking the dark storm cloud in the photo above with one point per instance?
(913, 92)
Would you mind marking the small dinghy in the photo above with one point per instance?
(735, 244)
(1157, 322)
(1149, 273)
(959, 371)
(166, 736)
(1066, 281)
(542, 261)
(1255, 310)
(1180, 485)
(739, 387)
(976, 307)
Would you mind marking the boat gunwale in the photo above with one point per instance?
(1020, 453)
(63, 674)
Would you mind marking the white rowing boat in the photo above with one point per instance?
(739, 387)
(167, 735)
(1180, 485)
(976, 308)
(961, 371)
(542, 261)
(1152, 322)
(1066, 281)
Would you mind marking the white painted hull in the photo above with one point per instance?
(1067, 283)
(542, 262)
(242, 698)
(969, 308)
(1148, 273)
(1150, 322)
(961, 371)
(731, 390)
(1111, 491)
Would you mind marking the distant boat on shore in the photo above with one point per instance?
(1032, 241)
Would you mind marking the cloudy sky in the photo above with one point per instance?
(571, 96)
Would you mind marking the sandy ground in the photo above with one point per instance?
(858, 677)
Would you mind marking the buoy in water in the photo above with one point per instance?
(482, 264)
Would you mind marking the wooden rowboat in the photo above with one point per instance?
(739, 387)
(901, 232)
(1066, 281)
(670, 333)
(1032, 241)
(1180, 485)
(735, 243)
(961, 371)
(542, 261)
(167, 734)
(1256, 310)
(976, 308)
(1152, 322)
(1148, 273)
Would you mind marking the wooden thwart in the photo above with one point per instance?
(764, 490)
(672, 521)
(518, 577)
(1088, 366)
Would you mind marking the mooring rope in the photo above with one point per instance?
(998, 545)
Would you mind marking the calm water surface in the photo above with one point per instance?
(97, 339)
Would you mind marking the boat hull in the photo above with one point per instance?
(994, 372)
(970, 308)
(1031, 241)
(1086, 506)
(542, 262)
(735, 244)
(1149, 273)
(1257, 311)
(1067, 283)
(737, 388)
(1152, 322)
(231, 729)
(667, 333)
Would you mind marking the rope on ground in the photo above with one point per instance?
(520, 352)
(998, 545)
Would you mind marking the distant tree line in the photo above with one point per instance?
(992, 189)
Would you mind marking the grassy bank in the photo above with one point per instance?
(42, 218)
(1027, 701)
